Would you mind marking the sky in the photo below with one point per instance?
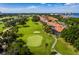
(39, 7)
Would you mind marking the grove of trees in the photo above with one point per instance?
(9, 44)
(71, 34)
(35, 18)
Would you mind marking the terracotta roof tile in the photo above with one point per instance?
(58, 27)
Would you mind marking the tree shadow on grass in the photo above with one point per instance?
(20, 35)
(26, 26)
(53, 53)
(36, 23)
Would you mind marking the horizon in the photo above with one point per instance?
(38, 13)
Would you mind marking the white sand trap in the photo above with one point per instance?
(34, 40)
(36, 32)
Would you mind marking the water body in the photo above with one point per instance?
(74, 15)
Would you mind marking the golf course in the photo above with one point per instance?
(39, 29)
(35, 38)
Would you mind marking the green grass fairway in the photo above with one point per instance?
(1, 25)
(64, 48)
(34, 40)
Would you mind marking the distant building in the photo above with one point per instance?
(64, 16)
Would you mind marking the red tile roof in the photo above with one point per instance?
(51, 18)
(58, 27)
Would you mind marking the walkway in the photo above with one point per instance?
(53, 45)
(55, 41)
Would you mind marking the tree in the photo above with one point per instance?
(53, 53)
(18, 47)
(47, 29)
(46, 45)
(76, 44)
(9, 36)
(71, 34)
(35, 18)
(1, 49)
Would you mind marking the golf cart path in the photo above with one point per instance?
(53, 45)
(54, 42)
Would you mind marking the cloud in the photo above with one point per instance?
(19, 10)
(2, 9)
(42, 3)
(71, 4)
(67, 3)
(31, 7)
(10, 10)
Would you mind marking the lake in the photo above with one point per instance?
(75, 15)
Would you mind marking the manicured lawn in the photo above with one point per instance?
(33, 41)
(64, 48)
(1, 25)
(36, 41)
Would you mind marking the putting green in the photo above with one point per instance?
(34, 40)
